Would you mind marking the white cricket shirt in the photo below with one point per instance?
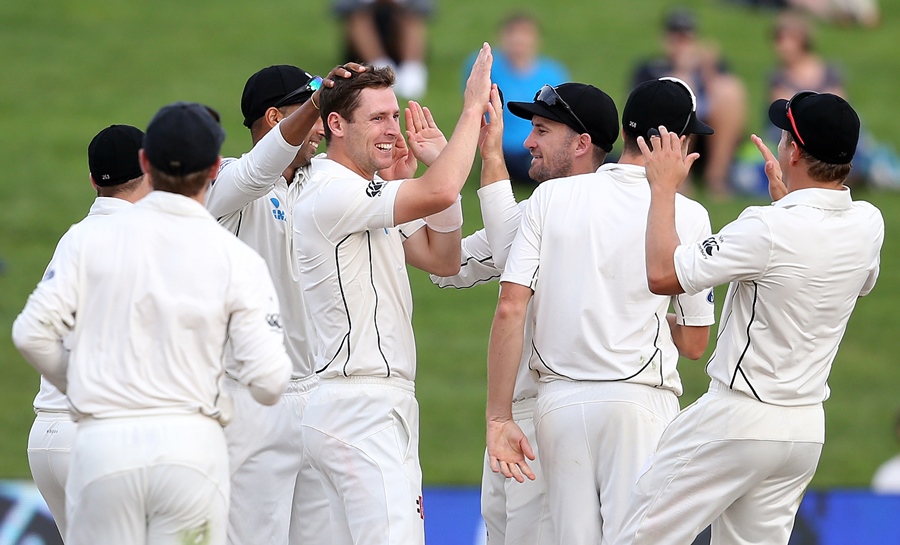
(581, 249)
(49, 398)
(251, 198)
(502, 216)
(796, 269)
(147, 298)
(353, 272)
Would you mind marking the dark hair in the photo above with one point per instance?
(120, 189)
(821, 171)
(188, 185)
(343, 98)
(519, 17)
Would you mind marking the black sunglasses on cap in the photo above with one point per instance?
(311, 86)
(550, 97)
(790, 114)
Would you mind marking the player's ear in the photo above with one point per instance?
(272, 116)
(336, 123)
(583, 145)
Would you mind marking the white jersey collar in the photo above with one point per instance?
(825, 199)
(173, 203)
(625, 173)
(104, 206)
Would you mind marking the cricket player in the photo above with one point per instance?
(116, 176)
(357, 233)
(742, 456)
(605, 347)
(276, 497)
(146, 322)
(570, 135)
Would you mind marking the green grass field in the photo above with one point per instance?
(72, 67)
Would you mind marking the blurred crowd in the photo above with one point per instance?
(394, 33)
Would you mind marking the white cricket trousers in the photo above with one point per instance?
(362, 436)
(276, 496)
(148, 480)
(517, 513)
(594, 437)
(49, 444)
(731, 461)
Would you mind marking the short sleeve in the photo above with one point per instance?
(694, 310)
(741, 251)
(345, 206)
(523, 262)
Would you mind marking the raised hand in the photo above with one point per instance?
(490, 140)
(478, 86)
(777, 188)
(404, 163)
(508, 449)
(669, 163)
(425, 138)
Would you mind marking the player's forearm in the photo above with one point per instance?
(41, 348)
(443, 255)
(502, 216)
(493, 169)
(505, 352)
(266, 388)
(661, 242)
(296, 126)
(691, 341)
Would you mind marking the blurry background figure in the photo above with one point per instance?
(519, 70)
(887, 476)
(721, 96)
(389, 33)
(801, 68)
(861, 12)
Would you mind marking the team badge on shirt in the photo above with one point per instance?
(274, 320)
(709, 246)
(374, 188)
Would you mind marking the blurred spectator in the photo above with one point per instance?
(862, 12)
(721, 96)
(887, 476)
(800, 68)
(389, 33)
(520, 72)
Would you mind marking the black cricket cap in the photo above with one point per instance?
(113, 155)
(183, 138)
(680, 20)
(271, 86)
(594, 108)
(667, 101)
(824, 125)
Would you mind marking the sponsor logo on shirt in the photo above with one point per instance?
(277, 211)
(711, 298)
(50, 274)
(374, 188)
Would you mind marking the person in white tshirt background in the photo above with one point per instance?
(742, 456)
(605, 347)
(276, 497)
(570, 135)
(116, 176)
(146, 322)
(357, 233)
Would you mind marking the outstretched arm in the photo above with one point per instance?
(439, 187)
(507, 446)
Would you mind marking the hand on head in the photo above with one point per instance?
(668, 164)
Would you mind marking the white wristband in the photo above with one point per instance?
(448, 220)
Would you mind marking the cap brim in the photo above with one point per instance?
(527, 110)
(698, 127)
(778, 115)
